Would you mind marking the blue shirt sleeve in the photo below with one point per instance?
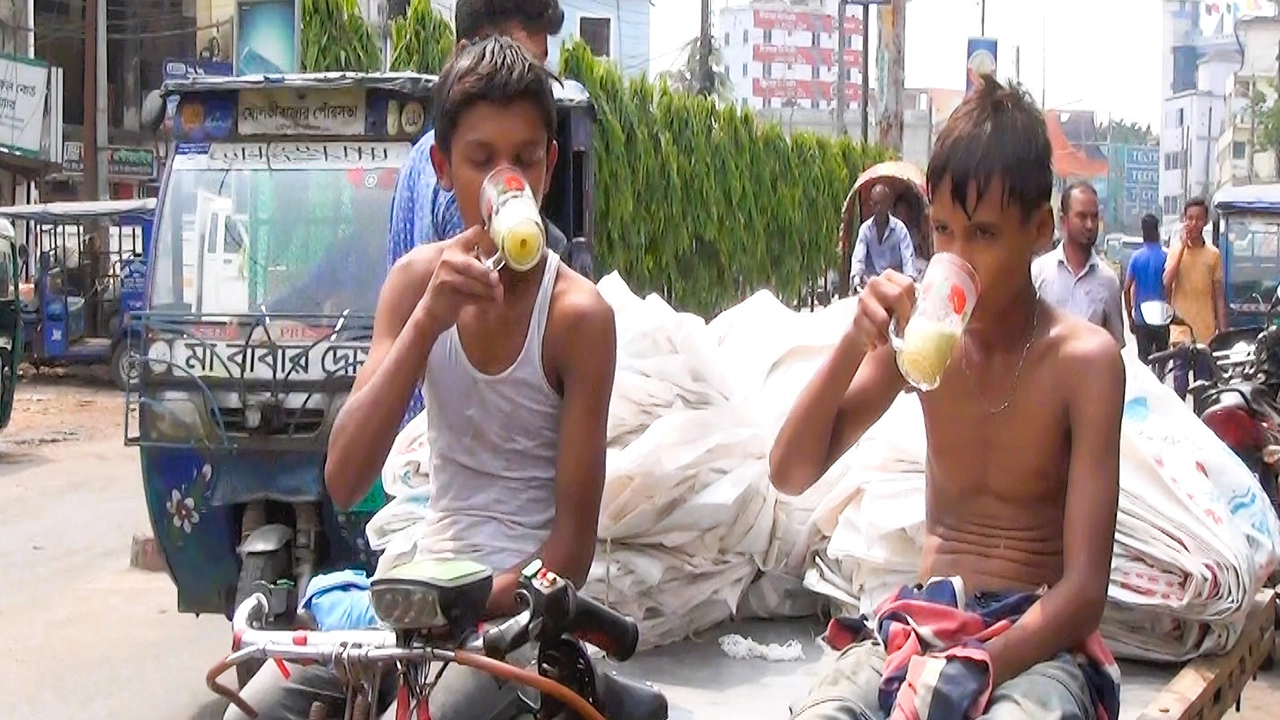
(403, 227)
(445, 216)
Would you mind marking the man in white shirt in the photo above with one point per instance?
(1070, 277)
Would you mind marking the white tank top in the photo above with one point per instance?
(494, 440)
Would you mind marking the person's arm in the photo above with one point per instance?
(367, 424)
(1128, 292)
(1172, 264)
(908, 251)
(858, 265)
(588, 358)
(1072, 609)
(1220, 294)
(420, 300)
(1113, 314)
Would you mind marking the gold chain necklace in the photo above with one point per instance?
(1017, 374)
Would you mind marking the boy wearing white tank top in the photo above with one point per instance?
(511, 364)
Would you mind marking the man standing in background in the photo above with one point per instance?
(1144, 282)
(1193, 281)
(884, 242)
(1070, 277)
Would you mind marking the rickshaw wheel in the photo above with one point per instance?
(123, 372)
(255, 568)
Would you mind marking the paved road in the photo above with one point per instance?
(84, 636)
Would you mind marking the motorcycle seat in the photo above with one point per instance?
(1242, 394)
(622, 699)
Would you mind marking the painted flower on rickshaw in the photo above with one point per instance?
(183, 511)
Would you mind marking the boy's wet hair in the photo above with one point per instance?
(474, 19)
(996, 133)
(493, 70)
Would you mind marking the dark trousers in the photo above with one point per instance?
(1151, 339)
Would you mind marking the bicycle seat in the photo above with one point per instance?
(622, 699)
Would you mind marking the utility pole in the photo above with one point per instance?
(893, 33)
(89, 142)
(100, 106)
(982, 23)
(866, 68)
(705, 83)
(841, 70)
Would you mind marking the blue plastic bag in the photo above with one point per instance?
(340, 601)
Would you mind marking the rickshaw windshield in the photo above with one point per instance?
(283, 227)
(1254, 258)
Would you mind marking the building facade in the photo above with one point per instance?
(1190, 125)
(784, 56)
(1241, 157)
(613, 29)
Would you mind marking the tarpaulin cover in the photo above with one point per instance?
(692, 533)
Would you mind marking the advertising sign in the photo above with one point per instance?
(287, 112)
(793, 21)
(175, 69)
(1141, 180)
(821, 90)
(817, 57)
(981, 60)
(123, 163)
(267, 40)
(24, 88)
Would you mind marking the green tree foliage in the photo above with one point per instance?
(335, 37)
(702, 203)
(1121, 132)
(685, 76)
(421, 40)
(693, 198)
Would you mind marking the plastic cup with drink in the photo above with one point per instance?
(944, 303)
(513, 219)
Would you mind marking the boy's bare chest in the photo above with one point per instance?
(494, 339)
(976, 444)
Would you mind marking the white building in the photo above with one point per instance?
(783, 56)
(1242, 159)
(1197, 72)
(1190, 126)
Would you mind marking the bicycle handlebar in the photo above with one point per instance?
(483, 651)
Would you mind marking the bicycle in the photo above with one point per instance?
(432, 612)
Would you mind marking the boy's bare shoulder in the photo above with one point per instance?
(1085, 355)
(577, 304)
(415, 268)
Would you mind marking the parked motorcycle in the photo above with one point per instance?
(1192, 354)
(431, 610)
(1240, 404)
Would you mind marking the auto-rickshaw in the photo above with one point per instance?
(83, 274)
(10, 321)
(907, 184)
(270, 249)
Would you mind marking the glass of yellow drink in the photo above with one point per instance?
(944, 303)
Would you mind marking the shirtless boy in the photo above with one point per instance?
(1022, 474)
(511, 363)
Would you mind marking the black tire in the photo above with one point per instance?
(124, 372)
(267, 567)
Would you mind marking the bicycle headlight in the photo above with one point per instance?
(433, 595)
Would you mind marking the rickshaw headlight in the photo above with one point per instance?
(159, 356)
(176, 417)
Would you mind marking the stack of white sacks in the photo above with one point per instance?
(692, 533)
